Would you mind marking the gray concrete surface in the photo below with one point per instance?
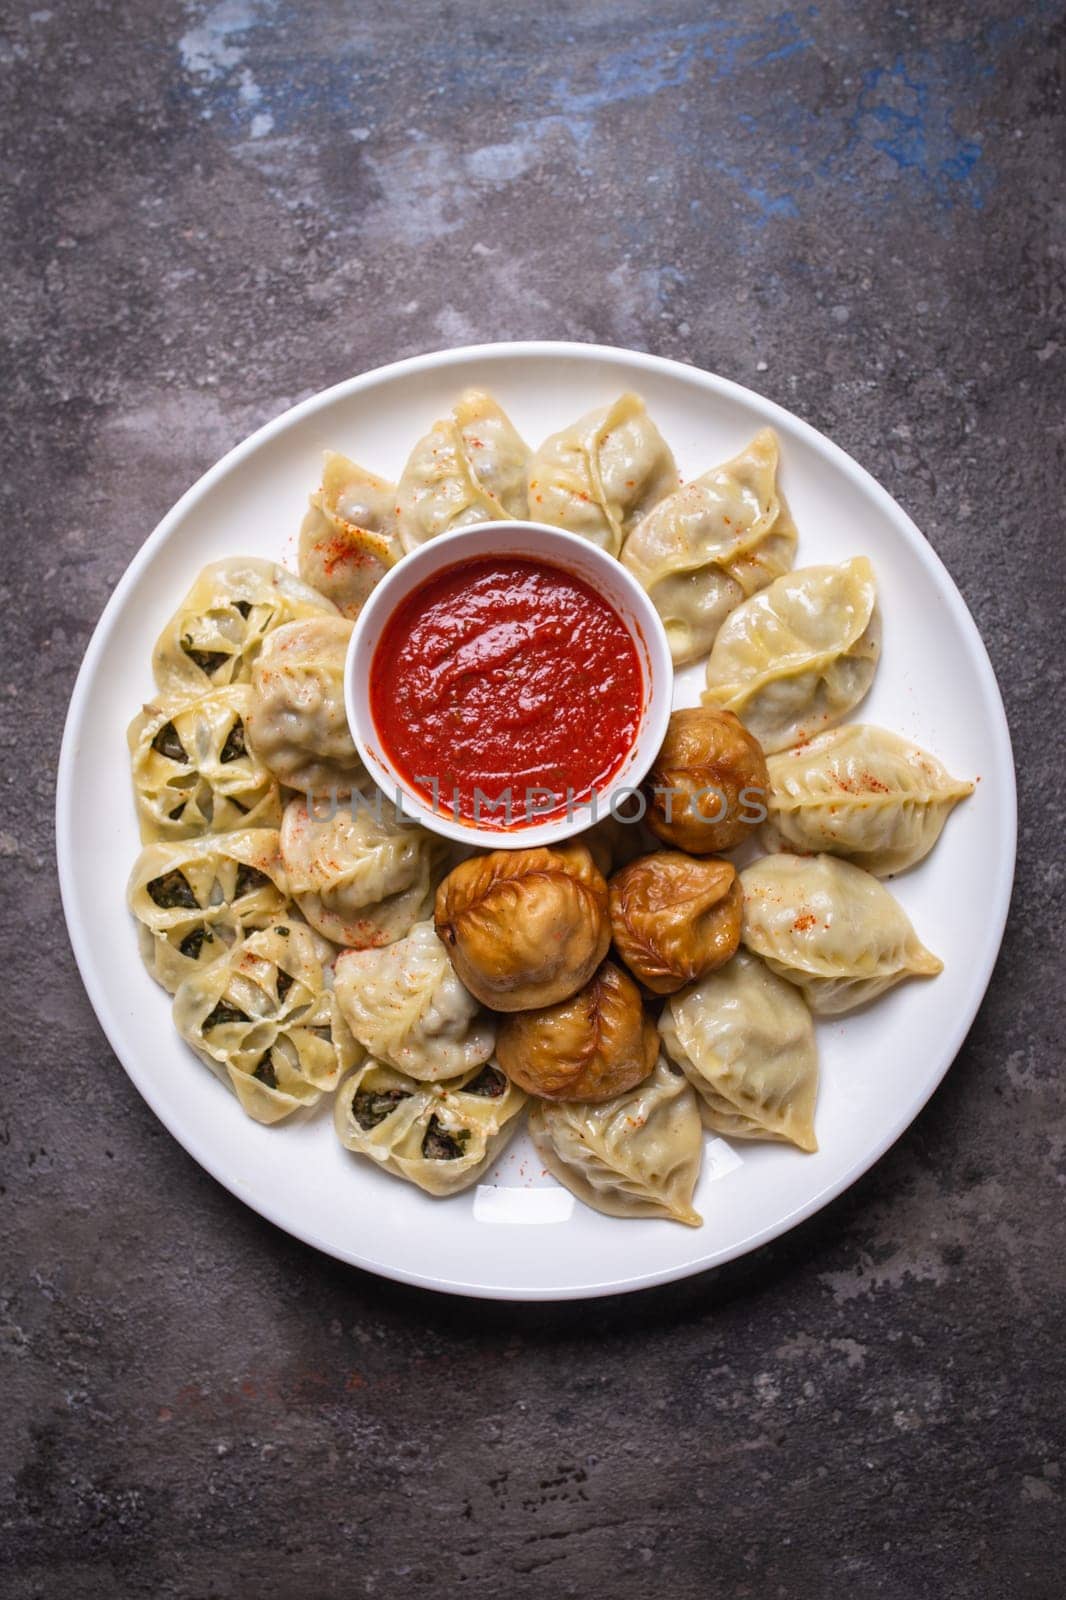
(214, 209)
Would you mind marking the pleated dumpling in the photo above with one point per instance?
(860, 792)
(361, 876)
(217, 632)
(797, 656)
(636, 1156)
(831, 928)
(265, 1019)
(297, 724)
(440, 1136)
(194, 899)
(711, 544)
(744, 1038)
(349, 538)
(405, 1004)
(193, 771)
(599, 476)
(470, 467)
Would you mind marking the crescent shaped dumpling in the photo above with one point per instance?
(524, 928)
(349, 539)
(744, 1038)
(193, 772)
(797, 656)
(406, 1006)
(440, 1136)
(297, 725)
(831, 928)
(194, 899)
(711, 544)
(217, 632)
(361, 876)
(265, 1019)
(860, 792)
(470, 467)
(600, 475)
(636, 1156)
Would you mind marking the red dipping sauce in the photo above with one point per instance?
(504, 675)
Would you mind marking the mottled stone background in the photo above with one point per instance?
(212, 210)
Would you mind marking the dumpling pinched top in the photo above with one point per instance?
(525, 928)
(470, 467)
(298, 726)
(591, 1046)
(359, 874)
(405, 1004)
(599, 476)
(831, 928)
(348, 539)
(798, 655)
(217, 632)
(711, 544)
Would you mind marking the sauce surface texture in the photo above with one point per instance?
(506, 674)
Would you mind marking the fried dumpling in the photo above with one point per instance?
(440, 1136)
(590, 1047)
(797, 656)
(706, 788)
(711, 544)
(194, 899)
(745, 1040)
(297, 724)
(674, 917)
(405, 1004)
(860, 792)
(636, 1156)
(265, 1019)
(217, 632)
(361, 875)
(193, 772)
(470, 467)
(524, 928)
(600, 475)
(831, 928)
(349, 538)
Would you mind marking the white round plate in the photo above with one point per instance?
(518, 1235)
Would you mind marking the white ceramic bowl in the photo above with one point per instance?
(536, 541)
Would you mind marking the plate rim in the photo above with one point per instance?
(1001, 757)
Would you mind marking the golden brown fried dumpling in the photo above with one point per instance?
(592, 1046)
(524, 928)
(348, 539)
(707, 786)
(674, 918)
(635, 1156)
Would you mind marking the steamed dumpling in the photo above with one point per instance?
(860, 792)
(217, 632)
(193, 771)
(470, 467)
(297, 725)
(349, 538)
(798, 655)
(405, 1004)
(636, 1156)
(360, 875)
(193, 900)
(711, 544)
(265, 1019)
(831, 928)
(745, 1040)
(599, 476)
(440, 1136)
